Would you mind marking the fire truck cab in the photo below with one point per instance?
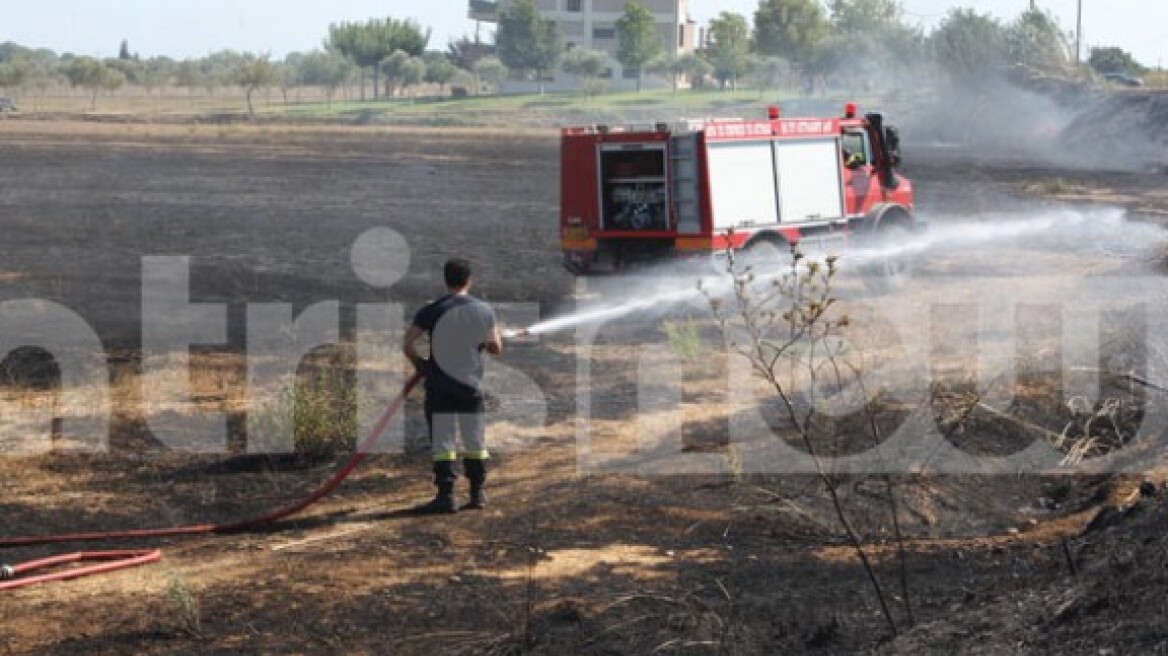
(640, 193)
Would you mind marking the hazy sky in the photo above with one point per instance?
(183, 28)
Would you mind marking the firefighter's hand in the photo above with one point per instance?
(421, 365)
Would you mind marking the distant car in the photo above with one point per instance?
(1123, 79)
(6, 105)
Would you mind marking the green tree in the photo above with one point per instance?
(354, 42)
(288, 74)
(324, 69)
(729, 47)
(368, 44)
(252, 73)
(527, 43)
(441, 71)
(588, 65)
(465, 52)
(413, 73)
(969, 46)
(668, 66)
(791, 29)
(393, 68)
(873, 35)
(858, 16)
(675, 68)
(769, 72)
(189, 75)
(124, 50)
(13, 74)
(696, 68)
(402, 69)
(40, 69)
(1034, 39)
(639, 41)
(113, 80)
(10, 51)
(1114, 60)
(492, 71)
(155, 73)
(220, 69)
(131, 69)
(89, 74)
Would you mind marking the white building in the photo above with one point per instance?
(592, 24)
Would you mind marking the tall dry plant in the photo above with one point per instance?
(781, 317)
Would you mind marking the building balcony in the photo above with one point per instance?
(483, 10)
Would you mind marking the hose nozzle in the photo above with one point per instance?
(515, 333)
(7, 573)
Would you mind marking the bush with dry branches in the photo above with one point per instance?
(782, 317)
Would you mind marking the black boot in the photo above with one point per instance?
(476, 473)
(443, 502)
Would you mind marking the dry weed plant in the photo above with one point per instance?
(784, 322)
(185, 607)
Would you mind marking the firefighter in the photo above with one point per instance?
(460, 327)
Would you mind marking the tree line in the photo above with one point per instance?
(863, 39)
(867, 40)
(388, 52)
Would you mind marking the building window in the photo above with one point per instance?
(573, 5)
(604, 33)
(681, 36)
(632, 73)
(607, 74)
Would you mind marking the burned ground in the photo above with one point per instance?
(565, 559)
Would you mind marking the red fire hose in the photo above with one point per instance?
(122, 559)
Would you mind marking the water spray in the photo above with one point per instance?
(1105, 230)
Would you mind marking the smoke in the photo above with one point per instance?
(1024, 117)
(665, 289)
(994, 120)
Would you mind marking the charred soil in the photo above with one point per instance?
(563, 559)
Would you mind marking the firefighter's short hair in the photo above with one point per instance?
(457, 273)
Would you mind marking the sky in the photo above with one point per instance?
(190, 28)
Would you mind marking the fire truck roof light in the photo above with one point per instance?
(773, 112)
(850, 110)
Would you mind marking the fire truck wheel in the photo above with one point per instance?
(888, 273)
(761, 255)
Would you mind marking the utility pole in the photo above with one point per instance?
(1079, 34)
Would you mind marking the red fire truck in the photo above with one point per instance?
(702, 187)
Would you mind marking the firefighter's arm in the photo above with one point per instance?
(410, 348)
(494, 343)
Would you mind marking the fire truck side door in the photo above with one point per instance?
(861, 187)
(742, 184)
(809, 179)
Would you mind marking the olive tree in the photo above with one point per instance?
(252, 73)
(588, 65)
(491, 71)
(92, 75)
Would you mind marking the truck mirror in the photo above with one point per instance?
(892, 143)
